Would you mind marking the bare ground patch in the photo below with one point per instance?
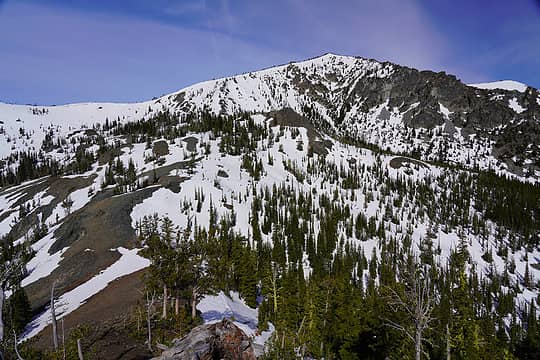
(100, 226)
(401, 161)
(106, 313)
(289, 117)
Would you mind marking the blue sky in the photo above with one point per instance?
(60, 51)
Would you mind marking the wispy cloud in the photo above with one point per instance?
(506, 46)
(181, 8)
(387, 29)
(80, 51)
(75, 57)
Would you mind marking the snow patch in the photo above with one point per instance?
(43, 263)
(215, 308)
(444, 110)
(128, 263)
(514, 105)
(503, 84)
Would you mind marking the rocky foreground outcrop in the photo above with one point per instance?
(223, 340)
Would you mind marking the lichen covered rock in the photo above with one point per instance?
(223, 340)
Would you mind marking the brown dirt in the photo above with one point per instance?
(106, 312)
(99, 226)
(58, 187)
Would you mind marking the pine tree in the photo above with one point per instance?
(248, 280)
(465, 332)
(529, 348)
(19, 310)
(527, 277)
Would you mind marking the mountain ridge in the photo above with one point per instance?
(272, 67)
(362, 99)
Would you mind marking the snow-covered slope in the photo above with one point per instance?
(334, 104)
(229, 188)
(24, 126)
(510, 85)
(129, 263)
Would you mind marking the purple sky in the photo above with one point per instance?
(60, 51)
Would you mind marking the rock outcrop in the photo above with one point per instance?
(223, 340)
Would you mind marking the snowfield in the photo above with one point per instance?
(233, 191)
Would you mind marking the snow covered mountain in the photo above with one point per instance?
(433, 115)
(374, 137)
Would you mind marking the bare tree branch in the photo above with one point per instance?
(417, 301)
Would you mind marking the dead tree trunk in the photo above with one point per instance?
(418, 344)
(19, 357)
(194, 303)
(53, 319)
(79, 349)
(274, 284)
(164, 313)
(447, 342)
(324, 321)
(417, 302)
(1, 317)
(149, 304)
(63, 339)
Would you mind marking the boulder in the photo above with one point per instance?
(160, 148)
(222, 340)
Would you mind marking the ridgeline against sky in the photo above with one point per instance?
(59, 51)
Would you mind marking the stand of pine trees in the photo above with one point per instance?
(339, 303)
(344, 309)
(329, 276)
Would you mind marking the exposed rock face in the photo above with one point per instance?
(160, 148)
(222, 340)
(95, 227)
(222, 173)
